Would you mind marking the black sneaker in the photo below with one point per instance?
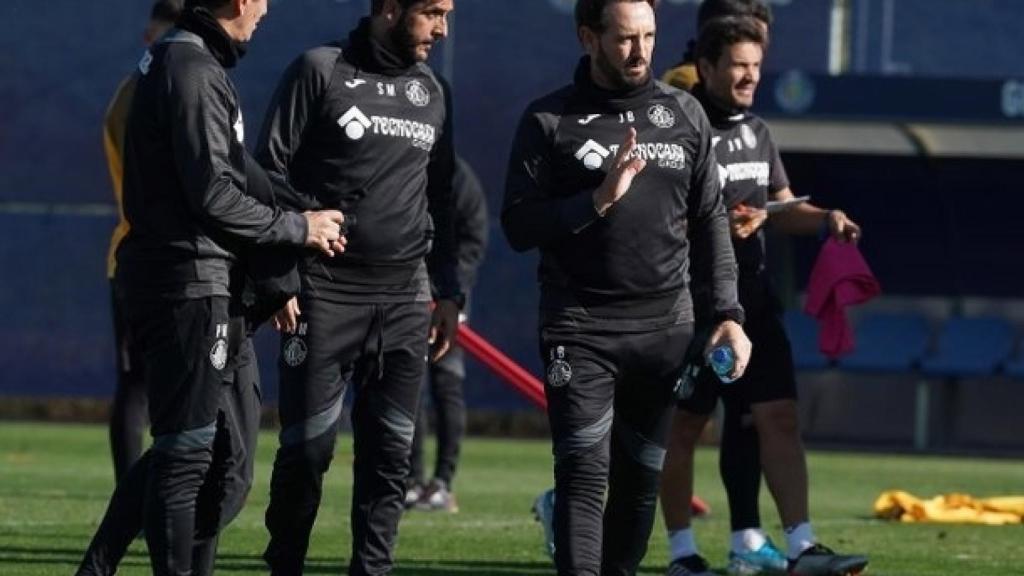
(692, 565)
(820, 560)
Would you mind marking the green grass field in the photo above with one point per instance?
(55, 480)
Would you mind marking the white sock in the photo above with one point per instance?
(681, 544)
(798, 539)
(748, 540)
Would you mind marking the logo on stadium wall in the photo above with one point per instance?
(417, 93)
(294, 352)
(661, 116)
(592, 155)
(794, 92)
(355, 123)
(219, 354)
(748, 137)
(559, 372)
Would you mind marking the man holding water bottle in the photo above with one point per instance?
(614, 180)
(729, 53)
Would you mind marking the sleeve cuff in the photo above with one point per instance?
(298, 226)
(737, 315)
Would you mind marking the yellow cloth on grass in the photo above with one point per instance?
(950, 508)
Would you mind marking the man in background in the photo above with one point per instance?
(445, 377)
(684, 74)
(128, 416)
(729, 54)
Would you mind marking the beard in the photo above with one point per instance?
(617, 75)
(402, 40)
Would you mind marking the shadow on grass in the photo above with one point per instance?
(68, 556)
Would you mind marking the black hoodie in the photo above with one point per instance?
(634, 262)
(184, 175)
(354, 127)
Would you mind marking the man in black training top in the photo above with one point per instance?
(445, 377)
(184, 198)
(729, 55)
(362, 126)
(613, 178)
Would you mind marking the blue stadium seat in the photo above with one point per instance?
(803, 336)
(971, 347)
(888, 343)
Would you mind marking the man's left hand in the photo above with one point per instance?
(443, 325)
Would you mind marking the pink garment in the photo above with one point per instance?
(840, 278)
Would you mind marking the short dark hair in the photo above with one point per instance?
(711, 9)
(590, 13)
(719, 33)
(377, 6)
(211, 5)
(166, 10)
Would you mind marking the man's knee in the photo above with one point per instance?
(687, 428)
(778, 418)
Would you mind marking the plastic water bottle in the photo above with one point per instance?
(722, 360)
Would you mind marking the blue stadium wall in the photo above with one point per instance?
(59, 66)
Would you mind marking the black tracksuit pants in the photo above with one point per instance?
(186, 346)
(445, 388)
(221, 496)
(128, 418)
(381, 350)
(610, 405)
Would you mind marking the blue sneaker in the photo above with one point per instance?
(765, 560)
(544, 512)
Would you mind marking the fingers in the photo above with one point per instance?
(335, 216)
(286, 319)
(440, 350)
(627, 148)
(634, 166)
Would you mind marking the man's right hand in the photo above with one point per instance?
(745, 220)
(616, 184)
(287, 319)
(324, 231)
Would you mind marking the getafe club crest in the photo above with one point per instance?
(559, 371)
(219, 352)
(294, 352)
(417, 93)
(661, 116)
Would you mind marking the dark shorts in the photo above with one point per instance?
(769, 377)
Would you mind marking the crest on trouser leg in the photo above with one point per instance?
(219, 351)
(559, 371)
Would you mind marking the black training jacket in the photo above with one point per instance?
(635, 261)
(751, 173)
(184, 175)
(472, 223)
(354, 128)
